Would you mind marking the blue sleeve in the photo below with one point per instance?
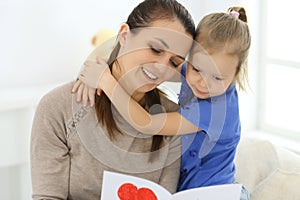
(207, 115)
(195, 113)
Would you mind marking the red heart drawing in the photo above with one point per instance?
(128, 191)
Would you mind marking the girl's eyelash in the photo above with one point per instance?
(218, 78)
(197, 70)
(215, 77)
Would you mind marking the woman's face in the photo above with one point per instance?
(150, 56)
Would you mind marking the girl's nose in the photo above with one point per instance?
(202, 81)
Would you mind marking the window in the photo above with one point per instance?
(280, 68)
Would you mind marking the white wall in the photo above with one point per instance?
(44, 42)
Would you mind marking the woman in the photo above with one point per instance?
(72, 145)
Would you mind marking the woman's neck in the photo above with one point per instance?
(137, 96)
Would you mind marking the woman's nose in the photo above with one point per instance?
(163, 64)
(166, 59)
(161, 68)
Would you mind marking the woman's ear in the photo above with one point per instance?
(123, 33)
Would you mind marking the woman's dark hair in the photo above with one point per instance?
(143, 15)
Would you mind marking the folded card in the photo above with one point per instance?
(118, 186)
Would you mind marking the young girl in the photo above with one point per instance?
(208, 100)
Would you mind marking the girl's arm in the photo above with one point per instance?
(86, 94)
(171, 123)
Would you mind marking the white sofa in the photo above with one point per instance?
(269, 172)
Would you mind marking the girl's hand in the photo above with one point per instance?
(84, 93)
(94, 73)
(89, 79)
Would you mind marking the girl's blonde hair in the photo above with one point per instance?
(229, 32)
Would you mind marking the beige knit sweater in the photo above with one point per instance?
(69, 150)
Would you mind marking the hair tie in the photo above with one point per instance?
(234, 13)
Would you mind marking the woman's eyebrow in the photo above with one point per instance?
(167, 46)
(163, 42)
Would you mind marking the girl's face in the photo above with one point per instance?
(210, 75)
(150, 56)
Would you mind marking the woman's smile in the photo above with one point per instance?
(148, 74)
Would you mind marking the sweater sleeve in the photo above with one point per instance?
(170, 174)
(49, 153)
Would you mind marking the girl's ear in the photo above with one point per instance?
(123, 33)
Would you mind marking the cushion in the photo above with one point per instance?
(280, 185)
(288, 160)
(256, 159)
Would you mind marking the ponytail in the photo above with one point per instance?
(241, 13)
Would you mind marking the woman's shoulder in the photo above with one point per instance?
(62, 91)
(168, 103)
(58, 96)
